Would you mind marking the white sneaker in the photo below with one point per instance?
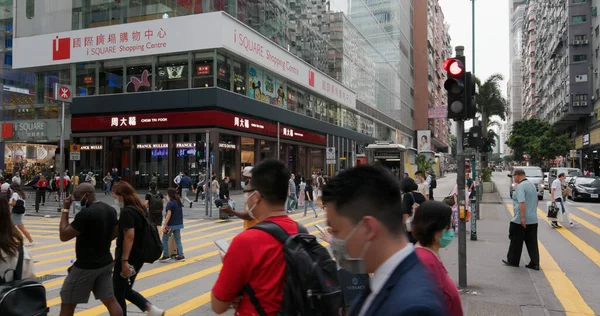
(31, 244)
(573, 224)
(155, 311)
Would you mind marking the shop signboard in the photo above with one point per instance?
(172, 35)
(586, 139)
(192, 119)
(34, 130)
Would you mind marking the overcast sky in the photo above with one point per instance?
(491, 34)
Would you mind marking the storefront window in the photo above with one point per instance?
(172, 72)
(319, 110)
(291, 98)
(151, 154)
(302, 98)
(239, 77)
(228, 152)
(311, 105)
(30, 159)
(92, 158)
(350, 120)
(111, 76)
(203, 73)
(316, 159)
(139, 74)
(223, 73)
(302, 163)
(292, 158)
(44, 88)
(86, 79)
(268, 150)
(188, 153)
(247, 158)
(332, 113)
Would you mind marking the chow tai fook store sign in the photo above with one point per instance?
(172, 35)
(192, 119)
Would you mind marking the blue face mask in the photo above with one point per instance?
(447, 238)
(243, 185)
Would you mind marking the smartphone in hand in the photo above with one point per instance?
(222, 244)
(321, 229)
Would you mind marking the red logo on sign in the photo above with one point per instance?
(311, 78)
(7, 130)
(61, 48)
(64, 93)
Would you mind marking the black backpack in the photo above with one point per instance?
(312, 287)
(21, 297)
(155, 204)
(433, 183)
(150, 248)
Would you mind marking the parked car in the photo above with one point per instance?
(584, 188)
(546, 184)
(533, 174)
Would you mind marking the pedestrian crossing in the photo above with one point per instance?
(556, 262)
(187, 284)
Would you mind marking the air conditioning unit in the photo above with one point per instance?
(583, 103)
(576, 42)
(576, 103)
(586, 41)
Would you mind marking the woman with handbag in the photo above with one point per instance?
(10, 243)
(17, 201)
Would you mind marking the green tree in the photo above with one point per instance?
(495, 157)
(537, 139)
(508, 159)
(423, 164)
(490, 102)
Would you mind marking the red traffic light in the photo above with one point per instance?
(454, 67)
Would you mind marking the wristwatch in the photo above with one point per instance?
(65, 210)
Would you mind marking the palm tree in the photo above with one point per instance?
(490, 102)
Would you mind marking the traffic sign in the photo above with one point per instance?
(63, 92)
(75, 155)
(331, 161)
(330, 154)
(75, 148)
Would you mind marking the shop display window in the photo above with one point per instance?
(268, 149)
(172, 72)
(111, 77)
(247, 151)
(92, 158)
(151, 154)
(332, 113)
(292, 97)
(139, 74)
(228, 152)
(223, 72)
(85, 79)
(266, 87)
(302, 98)
(202, 72)
(239, 77)
(188, 154)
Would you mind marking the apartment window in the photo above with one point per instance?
(597, 51)
(581, 97)
(578, 19)
(579, 58)
(597, 31)
(580, 38)
(579, 1)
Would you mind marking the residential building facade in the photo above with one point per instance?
(432, 47)
(515, 81)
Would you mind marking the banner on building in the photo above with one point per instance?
(437, 113)
(423, 140)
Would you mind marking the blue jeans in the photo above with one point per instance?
(165, 242)
(107, 189)
(293, 202)
(308, 203)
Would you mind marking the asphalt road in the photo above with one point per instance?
(569, 257)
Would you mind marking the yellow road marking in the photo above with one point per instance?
(43, 237)
(51, 246)
(586, 224)
(563, 288)
(585, 210)
(42, 230)
(198, 301)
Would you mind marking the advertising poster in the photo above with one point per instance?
(424, 140)
(266, 87)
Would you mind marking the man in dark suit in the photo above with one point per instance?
(363, 206)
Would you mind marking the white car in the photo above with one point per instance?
(546, 181)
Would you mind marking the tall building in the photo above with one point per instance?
(388, 26)
(561, 92)
(158, 85)
(432, 47)
(515, 82)
(528, 61)
(590, 140)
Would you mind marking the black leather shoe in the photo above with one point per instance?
(509, 264)
(533, 267)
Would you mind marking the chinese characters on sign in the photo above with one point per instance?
(111, 43)
(30, 130)
(241, 122)
(586, 139)
(291, 133)
(131, 121)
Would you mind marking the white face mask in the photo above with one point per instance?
(251, 209)
(340, 252)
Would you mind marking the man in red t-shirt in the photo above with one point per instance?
(255, 257)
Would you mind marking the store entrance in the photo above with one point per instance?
(118, 156)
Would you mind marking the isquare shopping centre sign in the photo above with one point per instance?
(175, 35)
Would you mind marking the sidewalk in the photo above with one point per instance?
(198, 210)
(492, 288)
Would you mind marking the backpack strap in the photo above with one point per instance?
(19, 270)
(279, 234)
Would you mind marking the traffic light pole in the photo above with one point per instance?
(460, 183)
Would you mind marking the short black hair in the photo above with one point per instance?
(152, 186)
(366, 191)
(409, 185)
(430, 217)
(271, 178)
(562, 174)
(418, 173)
